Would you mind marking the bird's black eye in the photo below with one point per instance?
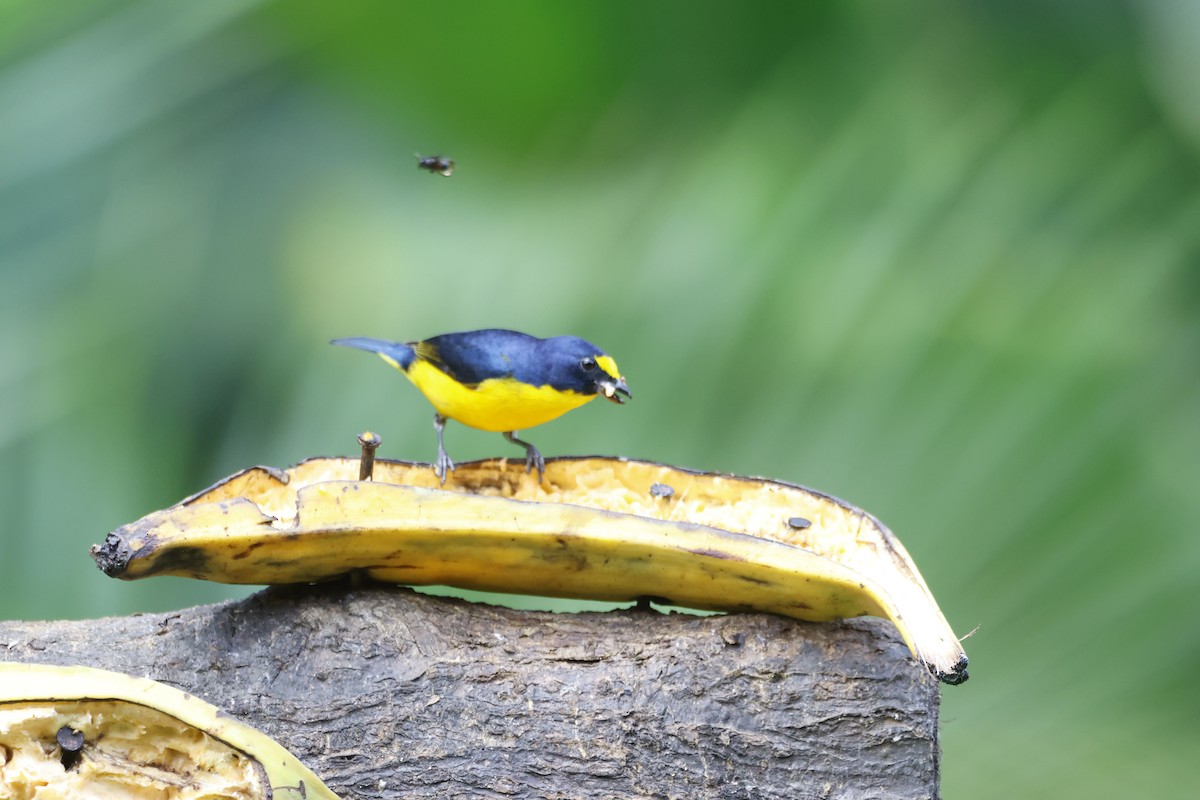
(588, 364)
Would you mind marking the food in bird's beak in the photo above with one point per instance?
(610, 388)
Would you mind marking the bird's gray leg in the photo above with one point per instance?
(532, 457)
(443, 464)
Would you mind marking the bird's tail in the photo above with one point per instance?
(397, 354)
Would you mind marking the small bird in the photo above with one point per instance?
(498, 380)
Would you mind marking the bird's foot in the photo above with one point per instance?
(443, 465)
(533, 457)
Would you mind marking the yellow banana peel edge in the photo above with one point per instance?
(595, 528)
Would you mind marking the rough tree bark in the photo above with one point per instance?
(384, 692)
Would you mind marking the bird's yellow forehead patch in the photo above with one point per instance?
(609, 366)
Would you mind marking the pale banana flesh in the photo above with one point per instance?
(592, 529)
(139, 739)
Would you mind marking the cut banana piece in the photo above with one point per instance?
(78, 732)
(594, 528)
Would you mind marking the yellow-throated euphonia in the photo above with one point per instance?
(503, 381)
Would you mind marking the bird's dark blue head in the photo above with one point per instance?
(577, 365)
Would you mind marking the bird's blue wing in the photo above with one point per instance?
(475, 356)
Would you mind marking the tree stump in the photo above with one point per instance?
(387, 693)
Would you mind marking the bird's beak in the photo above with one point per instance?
(612, 389)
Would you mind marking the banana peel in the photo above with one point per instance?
(595, 528)
(79, 732)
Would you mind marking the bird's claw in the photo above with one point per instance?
(533, 458)
(443, 465)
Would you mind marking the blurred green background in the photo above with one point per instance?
(940, 259)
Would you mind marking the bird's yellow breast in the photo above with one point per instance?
(497, 404)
